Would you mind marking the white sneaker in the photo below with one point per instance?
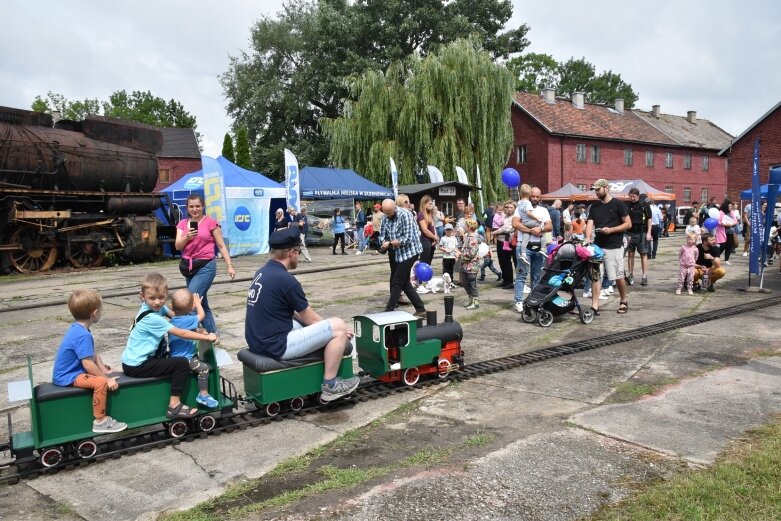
(519, 307)
(526, 290)
(587, 294)
(108, 425)
(609, 290)
(745, 254)
(358, 252)
(728, 263)
(603, 295)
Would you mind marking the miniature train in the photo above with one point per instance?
(391, 347)
(76, 191)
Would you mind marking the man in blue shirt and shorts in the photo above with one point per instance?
(280, 323)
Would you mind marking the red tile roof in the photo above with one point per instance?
(594, 121)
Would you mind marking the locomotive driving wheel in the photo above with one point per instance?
(82, 252)
(35, 254)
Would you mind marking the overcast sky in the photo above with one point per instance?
(721, 58)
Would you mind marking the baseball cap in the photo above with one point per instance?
(284, 239)
(448, 226)
(599, 183)
(377, 206)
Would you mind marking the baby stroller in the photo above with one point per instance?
(554, 294)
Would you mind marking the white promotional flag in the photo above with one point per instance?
(394, 179)
(434, 175)
(461, 176)
(292, 181)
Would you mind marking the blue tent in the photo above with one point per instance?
(774, 173)
(242, 201)
(333, 183)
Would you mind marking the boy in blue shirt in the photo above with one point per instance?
(151, 326)
(78, 365)
(188, 312)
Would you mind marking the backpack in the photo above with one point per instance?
(162, 347)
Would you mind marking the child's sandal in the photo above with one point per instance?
(623, 307)
(181, 411)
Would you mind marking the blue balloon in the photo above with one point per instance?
(511, 178)
(423, 272)
(710, 223)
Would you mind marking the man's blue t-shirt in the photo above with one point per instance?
(273, 297)
(145, 336)
(76, 345)
(181, 346)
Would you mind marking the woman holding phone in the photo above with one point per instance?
(196, 238)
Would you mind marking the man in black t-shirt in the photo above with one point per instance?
(639, 236)
(280, 323)
(608, 219)
(708, 261)
(298, 220)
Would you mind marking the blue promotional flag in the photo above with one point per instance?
(756, 217)
(292, 181)
(394, 178)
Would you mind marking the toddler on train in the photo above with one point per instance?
(188, 312)
(78, 365)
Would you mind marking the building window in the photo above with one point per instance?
(628, 156)
(705, 163)
(164, 175)
(595, 154)
(704, 194)
(668, 189)
(649, 158)
(687, 161)
(581, 153)
(687, 194)
(581, 187)
(446, 207)
(668, 160)
(521, 157)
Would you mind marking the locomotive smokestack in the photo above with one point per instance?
(449, 300)
(431, 318)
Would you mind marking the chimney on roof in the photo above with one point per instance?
(691, 116)
(549, 95)
(655, 111)
(619, 105)
(577, 100)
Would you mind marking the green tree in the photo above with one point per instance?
(449, 108)
(533, 72)
(243, 154)
(227, 148)
(71, 110)
(295, 72)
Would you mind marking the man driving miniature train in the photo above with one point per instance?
(281, 324)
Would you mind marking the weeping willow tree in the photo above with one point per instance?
(451, 108)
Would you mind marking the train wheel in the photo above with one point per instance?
(546, 318)
(83, 253)
(272, 409)
(177, 429)
(87, 449)
(34, 256)
(443, 368)
(528, 315)
(206, 423)
(411, 376)
(51, 458)
(296, 404)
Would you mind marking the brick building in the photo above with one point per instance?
(180, 156)
(740, 152)
(559, 141)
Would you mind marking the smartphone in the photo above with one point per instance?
(193, 225)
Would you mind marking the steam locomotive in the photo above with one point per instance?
(76, 191)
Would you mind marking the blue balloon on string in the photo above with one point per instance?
(511, 178)
(710, 224)
(423, 272)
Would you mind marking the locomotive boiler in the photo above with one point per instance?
(76, 191)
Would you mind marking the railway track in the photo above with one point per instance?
(28, 468)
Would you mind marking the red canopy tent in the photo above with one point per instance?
(620, 190)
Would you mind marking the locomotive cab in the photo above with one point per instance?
(388, 342)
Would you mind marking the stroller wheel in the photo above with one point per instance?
(546, 318)
(586, 315)
(528, 315)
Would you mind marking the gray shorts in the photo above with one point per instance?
(614, 263)
(637, 241)
(303, 340)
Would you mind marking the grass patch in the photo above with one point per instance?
(630, 391)
(470, 317)
(742, 484)
(478, 439)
